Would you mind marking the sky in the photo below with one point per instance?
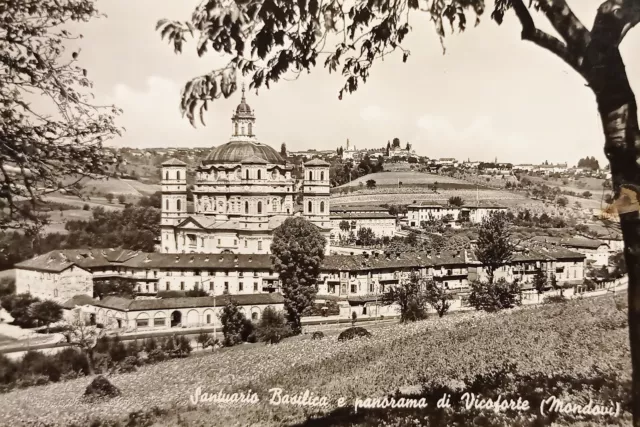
(490, 95)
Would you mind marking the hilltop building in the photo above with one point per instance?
(243, 190)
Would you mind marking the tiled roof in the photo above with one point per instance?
(204, 261)
(78, 300)
(254, 160)
(340, 209)
(359, 215)
(570, 242)
(174, 162)
(316, 162)
(55, 262)
(123, 304)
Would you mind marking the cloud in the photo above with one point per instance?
(371, 113)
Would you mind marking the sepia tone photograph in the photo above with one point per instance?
(308, 213)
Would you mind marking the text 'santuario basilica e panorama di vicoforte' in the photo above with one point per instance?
(243, 190)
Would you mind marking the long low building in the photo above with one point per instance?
(63, 274)
(418, 213)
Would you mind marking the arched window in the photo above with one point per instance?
(259, 207)
(246, 207)
(309, 206)
(321, 176)
(178, 205)
(250, 130)
(236, 133)
(243, 130)
(166, 175)
(310, 176)
(167, 204)
(178, 175)
(321, 207)
(247, 174)
(259, 174)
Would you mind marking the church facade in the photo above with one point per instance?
(243, 190)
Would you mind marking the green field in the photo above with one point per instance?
(576, 351)
(407, 178)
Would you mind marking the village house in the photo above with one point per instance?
(420, 212)
(596, 251)
(376, 218)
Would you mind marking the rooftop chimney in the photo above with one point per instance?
(250, 259)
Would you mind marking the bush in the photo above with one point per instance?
(117, 350)
(129, 364)
(317, 335)
(156, 355)
(248, 331)
(272, 327)
(8, 370)
(72, 360)
(497, 296)
(234, 324)
(85, 207)
(35, 363)
(351, 333)
(554, 299)
(100, 387)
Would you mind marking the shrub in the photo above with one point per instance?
(117, 350)
(497, 296)
(351, 333)
(233, 324)
(71, 360)
(554, 299)
(8, 370)
(272, 327)
(100, 387)
(317, 335)
(248, 331)
(129, 364)
(156, 355)
(150, 344)
(36, 363)
(85, 207)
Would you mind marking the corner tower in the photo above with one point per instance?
(174, 202)
(315, 191)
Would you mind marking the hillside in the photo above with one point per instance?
(406, 178)
(578, 350)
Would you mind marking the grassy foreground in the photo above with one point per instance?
(575, 351)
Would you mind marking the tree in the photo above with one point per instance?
(119, 287)
(371, 183)
(540, 282)
(272, 327)
(619, 265)
(562, 202)
(46, 312)
(283, 150)
(587, 194)
(43, 144)
(19, 307)
(438, 297)
(371, 30)
(354, 318)
(80, 333)
(494, 247)
(298, 249)
(495, 296)
(366, 236)
(344, 225)
(121, 199)
(456, 201)
(410, 297)
(109, 197)
(233, 323)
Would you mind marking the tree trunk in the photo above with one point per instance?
(618, 110)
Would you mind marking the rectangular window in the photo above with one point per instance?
(196, 273)
(167, 288)
(159, 322)
(226, 286)
(182, 286)
(235, 242)
(141, 323)
(354, 289)
(240, 287)
(155, 274)
(155, 287)
(240, 273)
(259, 245)
(245, 243)
(226, 272)
(255, 274)
(210, 286)
(255, 286)
(218, 242)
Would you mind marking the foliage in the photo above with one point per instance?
(46, 312)
(354, 317)
(344, 225)
(317, 335)
(19, 307)
(494, 246)
(540, 281)
(272, 327)
(233, 323)
(587, 194)
(619, 264)
(371, 183)
(456, 201)
(554, 299)
(495, 296)
(120, 287)
(7, 286)
(197, 291)
(41, 150)
(353, 332)
(589, 162)
(562, 202)
(100, 387)
(438, 297)
(298, 250)
(109, 197)
(410, 297)
(82, 334)
(152, 201)
(366, 236)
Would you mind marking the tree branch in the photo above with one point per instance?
(542, 39)
(566, 23)
(614, 20)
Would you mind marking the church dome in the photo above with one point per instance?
(237, 151)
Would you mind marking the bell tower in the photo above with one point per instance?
(174, 202)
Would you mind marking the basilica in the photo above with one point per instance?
(243, 190)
